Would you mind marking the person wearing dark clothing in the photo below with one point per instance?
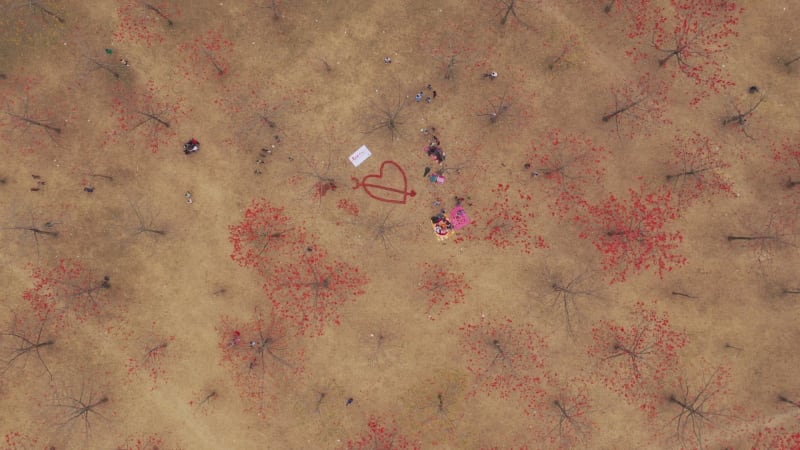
(435, 150)
(192, 146)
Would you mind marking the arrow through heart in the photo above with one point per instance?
(376, 186)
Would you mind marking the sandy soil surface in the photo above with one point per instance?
(350, 323)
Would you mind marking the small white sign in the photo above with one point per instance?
(360, 155)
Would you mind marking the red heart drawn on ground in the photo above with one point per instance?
(380, 186)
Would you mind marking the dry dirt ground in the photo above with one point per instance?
(320, 63)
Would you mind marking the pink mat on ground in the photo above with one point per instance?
(459, 218)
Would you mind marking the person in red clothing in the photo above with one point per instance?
(192, 146)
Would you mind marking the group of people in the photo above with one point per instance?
(442, 225)
(421, 95)
(435, 151)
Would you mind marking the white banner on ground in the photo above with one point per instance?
(360, 155)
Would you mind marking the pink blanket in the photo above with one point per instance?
(459, 218)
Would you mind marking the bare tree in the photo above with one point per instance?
(699, 408)
(788, 62)
(507, 115)
(38, 229)
(261, 118)
(791, 402)
(145, 224)
(90, 64)
(382, 228)
(561, 59)
(639, 104)
(682, 293)
(778, 233)
(158, 12)
(144, 116)
(41, 11)
(152, 355)
(379, 343)
(326, 65)
(439, 402)
(143, 10)
(609, 6)
(321, 172)
(742, 114)
(275, 7)
(261, 355)
(564, 291)
(387, 116)
(323, 399)
(497, 109)
(511, 11)
(79, 409)
(566, 416)
(450, 60)
(24, 338)
(791, 291)
(204, 401)
(32, 118)
(145, 21)
(450, 46)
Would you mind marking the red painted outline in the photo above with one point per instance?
(363, 183)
